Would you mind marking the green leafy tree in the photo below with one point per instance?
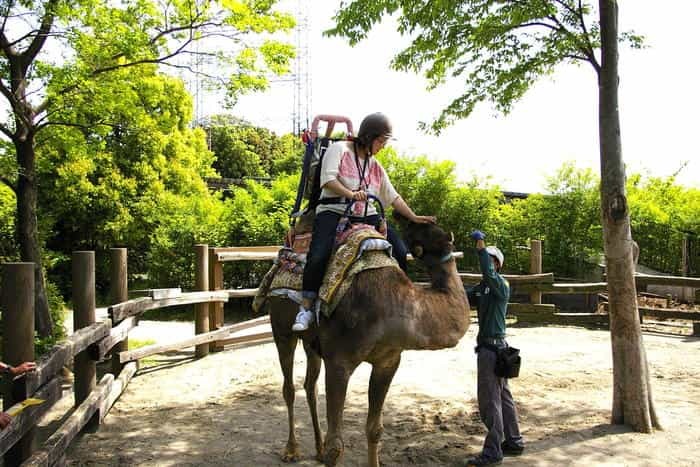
(500, 48)
(245, 150)
(430, 187)
(124, 183)
(71, 45)
(257, 215)
(567, 218)
(663, 213)
(7, 224)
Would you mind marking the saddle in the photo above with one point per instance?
(359, 247)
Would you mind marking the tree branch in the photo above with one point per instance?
(40, 39)
(591, 53)
(9, 184)
(590, 57)
(6, 131)
(75, 125)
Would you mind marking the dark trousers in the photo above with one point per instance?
(321, 248)
(496, 406)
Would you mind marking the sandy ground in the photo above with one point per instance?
(227, 409)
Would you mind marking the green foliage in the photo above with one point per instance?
(662, 213)
(8, 206)
(57, 308)
(129, 173)
(244, 150)
(257, 215)
(430, 188)
(497, 48)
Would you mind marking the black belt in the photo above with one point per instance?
(334, 200)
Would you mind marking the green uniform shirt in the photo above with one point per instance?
(493, 293)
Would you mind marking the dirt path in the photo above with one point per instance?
(227, 409)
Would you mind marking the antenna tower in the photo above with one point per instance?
(302, 70)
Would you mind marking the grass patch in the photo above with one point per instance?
(137, 344)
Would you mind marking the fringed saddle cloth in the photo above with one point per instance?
(360, 247)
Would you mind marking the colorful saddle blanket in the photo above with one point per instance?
(363, 248)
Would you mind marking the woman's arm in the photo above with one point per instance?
(400, 205)
(339, 189)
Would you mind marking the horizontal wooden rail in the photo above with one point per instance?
(54, 447)
(663, 313)
(241, 293)
(249, 324)
(545, 278)
(62, 353)
(649, 279)
(269, 253)
(669, 313)
(25, 420)
(246, 253)
(564, 288)
(137, 354)
(137, 306)
(516, 308)
(247, 339)
(99, 350)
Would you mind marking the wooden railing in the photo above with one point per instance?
(93, 341)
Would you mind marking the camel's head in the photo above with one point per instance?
(426, 242)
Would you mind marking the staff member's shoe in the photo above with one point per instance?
(511, 449)
(482, 460)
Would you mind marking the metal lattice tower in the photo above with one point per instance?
(302, 70)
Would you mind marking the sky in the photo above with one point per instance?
(556, 121)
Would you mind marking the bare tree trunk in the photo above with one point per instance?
(28, 229)
(632, 399)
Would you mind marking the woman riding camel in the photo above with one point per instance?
(350, 173)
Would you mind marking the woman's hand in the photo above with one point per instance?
(424, 220)
(359, 195)
(23, 368)
(4, 420)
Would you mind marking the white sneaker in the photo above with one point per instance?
(303, 320)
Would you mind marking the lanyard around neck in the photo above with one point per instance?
(361, 171)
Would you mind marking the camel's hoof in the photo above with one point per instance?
(332, 452)
(291, 454)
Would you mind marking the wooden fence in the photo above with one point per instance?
(93, 341)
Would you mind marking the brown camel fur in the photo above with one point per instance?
(382, 314)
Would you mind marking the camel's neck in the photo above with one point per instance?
(441, 313)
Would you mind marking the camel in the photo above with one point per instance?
(373, 323)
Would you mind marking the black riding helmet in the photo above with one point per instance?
(373, 126)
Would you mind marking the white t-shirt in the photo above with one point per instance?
(339, 163)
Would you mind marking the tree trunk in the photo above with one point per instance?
(632, 399)
(28, 229)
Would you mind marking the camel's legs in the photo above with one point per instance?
(285, 349)
(313, 368)
(379, 383)
(337, 377)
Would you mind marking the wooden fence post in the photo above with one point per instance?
(688, 292)
(83, 316)
(201, 283)
(536, 267)
(118, 293)
(18, 343)
(216, 309)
